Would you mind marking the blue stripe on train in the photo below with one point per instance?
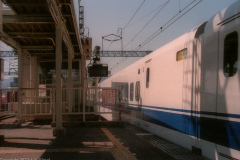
(222, 132)
(196, 112)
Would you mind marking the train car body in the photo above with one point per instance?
(188, 91)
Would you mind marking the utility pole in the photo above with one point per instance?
(121, 41)
(97, 70)
(96, 60)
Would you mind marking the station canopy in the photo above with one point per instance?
(30, 25)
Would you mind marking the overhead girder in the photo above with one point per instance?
(38, 47)
(10, 41)
(8, 54)
(23, 4)
(36, 33)
(57, 16)
(27, 19)
(124, 53)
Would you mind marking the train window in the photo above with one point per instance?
(123, 92)
(126, 92)
(230, 61)
(131, 91)
(181, 54)
(147, 77)
(137, 91)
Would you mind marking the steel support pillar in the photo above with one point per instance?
(1, 17)
(70, 82)
(20, 73)
(34, 75)
(26, 77)
(83, 74)
(26, 71)
(83, 70)
(58, 131)
(96, 95)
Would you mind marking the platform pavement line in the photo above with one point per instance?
(120, 152)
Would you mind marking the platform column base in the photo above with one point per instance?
(58, 132)
(21, 121)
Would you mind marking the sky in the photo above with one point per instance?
(105, 17)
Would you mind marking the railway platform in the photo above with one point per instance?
(92, 141)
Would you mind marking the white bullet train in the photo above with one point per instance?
(188, 91)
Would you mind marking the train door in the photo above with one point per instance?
(146, 80)
(138, 97)
(124, 96)
(228, 88)
(139, 88)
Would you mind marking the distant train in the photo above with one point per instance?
(188, 91)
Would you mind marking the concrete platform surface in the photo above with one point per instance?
(36, 142)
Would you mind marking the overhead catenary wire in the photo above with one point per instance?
(134, 15)
(112, 41)
(128, 22)
(145, 16)
(162, 6)
(180, 12)
(163, 28)
(126, 26)
(125, 58)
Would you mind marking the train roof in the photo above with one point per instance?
(222, 17)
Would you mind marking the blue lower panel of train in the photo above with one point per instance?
(222, 132)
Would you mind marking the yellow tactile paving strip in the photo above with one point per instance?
(120, 152)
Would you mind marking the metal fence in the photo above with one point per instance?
(37, 102)
(8, 101)
(81, 103)
(88, 101)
